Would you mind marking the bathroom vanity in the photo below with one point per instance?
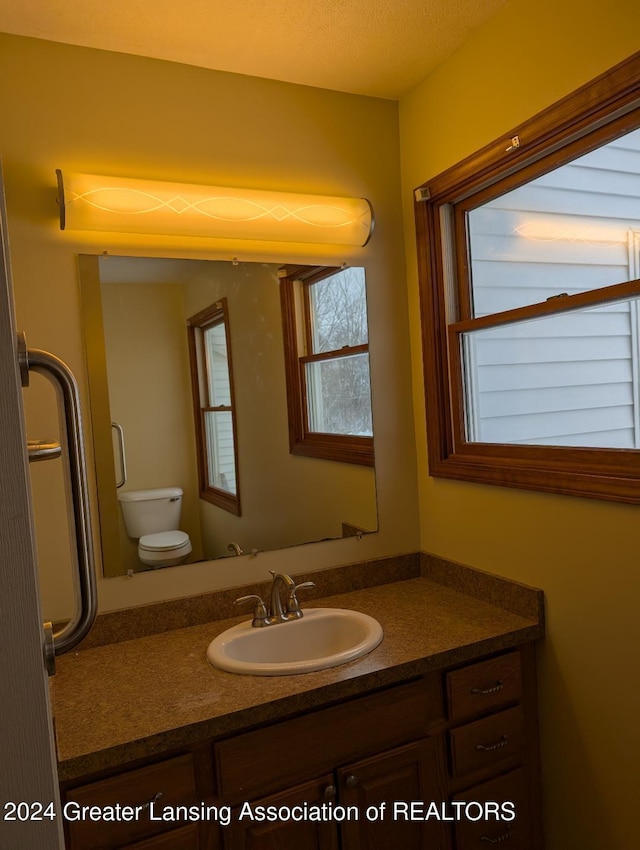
(430, 741)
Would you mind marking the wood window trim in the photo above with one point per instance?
(201, 321)
(302, 441)
(601, 110)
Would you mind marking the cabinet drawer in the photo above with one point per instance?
(487, 742)
(177, 839)
(484, 686)
(482, 834)
(168, 783)
(315, 743)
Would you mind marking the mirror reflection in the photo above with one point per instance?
(191, 380)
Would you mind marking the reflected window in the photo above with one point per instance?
(214, 407)
(327, 363)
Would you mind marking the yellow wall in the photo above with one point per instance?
(93, 111)
(582, 553)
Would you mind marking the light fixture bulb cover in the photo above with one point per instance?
(125, 205)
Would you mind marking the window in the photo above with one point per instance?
(529, 265)
(214, 407)
(327, 363)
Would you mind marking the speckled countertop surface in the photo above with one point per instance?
(117, 703)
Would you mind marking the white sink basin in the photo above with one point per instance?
(322, 638)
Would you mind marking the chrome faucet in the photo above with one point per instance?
(277, 613)
(235, 548)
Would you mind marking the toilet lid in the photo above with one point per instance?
(163, 541)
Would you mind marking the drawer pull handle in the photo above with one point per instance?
(153, 800)
(503, 742)
(504, 837)
(483, 692)
(351, 781)
(330, 792)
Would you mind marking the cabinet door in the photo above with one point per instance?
(167, 783)
(266, 827)
(401, 776)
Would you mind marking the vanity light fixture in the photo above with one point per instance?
(123, 205)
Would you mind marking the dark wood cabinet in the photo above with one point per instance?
(186, 838)
(263, 824)
(356, 806)
(512, 834)
(447, 761)
(494, 762)
(388, 784)
(120, 810)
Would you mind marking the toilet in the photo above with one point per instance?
(152, 518)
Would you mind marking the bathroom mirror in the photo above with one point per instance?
(136, 313)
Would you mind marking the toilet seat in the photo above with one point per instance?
(163, 541)
(164, 549)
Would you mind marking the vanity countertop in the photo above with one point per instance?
(138, 698)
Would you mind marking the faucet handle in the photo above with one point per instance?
(293, 606)
(260, 609)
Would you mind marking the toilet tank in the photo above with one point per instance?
(151, 511)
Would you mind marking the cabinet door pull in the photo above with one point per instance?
(351, 781)
(504, 837)
(502, 742)
(483, 692)
(330, 792)
(153, 800)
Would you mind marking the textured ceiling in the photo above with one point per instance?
(375, 47)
